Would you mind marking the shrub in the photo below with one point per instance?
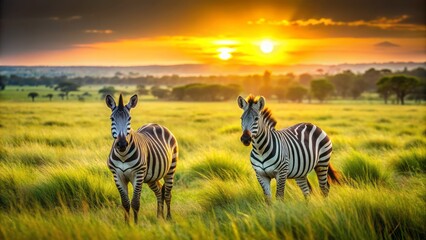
(379, 144)
(358, 168)
(416, 143)
(218, 165)
(231, 194)
(70, 190)
(413, 161)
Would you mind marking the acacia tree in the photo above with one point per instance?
(67, 86)
(321, 89)
(2, 83)
(142, 90)
(401, 85)
(62, 95)
(108, 90)
(384, 88)
(50, 96)
(160, 93)
(32, 95)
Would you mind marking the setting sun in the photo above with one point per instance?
(266, 46)
(225, 53)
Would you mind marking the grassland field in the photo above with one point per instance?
(54, 182)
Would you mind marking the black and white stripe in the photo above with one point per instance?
(289, 153)
(145, 156)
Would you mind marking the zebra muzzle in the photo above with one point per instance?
(121, 143)
(246, 138)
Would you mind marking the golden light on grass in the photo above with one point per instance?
(267, 46)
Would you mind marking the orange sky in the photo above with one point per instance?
(397, 34)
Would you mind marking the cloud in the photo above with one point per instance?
(70, 18)
(386, 44)
(98, 31)
(381, 23)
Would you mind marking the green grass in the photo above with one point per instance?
(54, 182)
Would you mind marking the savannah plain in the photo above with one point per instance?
(55, 183)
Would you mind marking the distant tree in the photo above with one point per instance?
(179, 92)
(419, 93)
(282, 85)
(32, 95)
(107, 90)
(230, 91)
(418, 72)
(358, 86)
(266, 88)
(384, 88)
(2, 82)
(280, 92)
(401, 85)
(67, 86)
(62, 95)
(321, 89)
(86, 94)
(252, 84)
(160, 93)
(305, 79)
(142, 90)
(49, 95)
(370, 77)
(343, 82)
(296, 93)
(206, 92)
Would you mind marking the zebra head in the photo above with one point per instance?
(250, 119)
(120, 119)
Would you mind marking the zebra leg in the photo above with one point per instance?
(168, 185)
(121, 182)
(265, 183)
(304, 185)
(322, 179)
(156, 188)
(136, 200)
(281, 179)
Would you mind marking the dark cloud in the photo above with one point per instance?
(52, 24)
(386, 44)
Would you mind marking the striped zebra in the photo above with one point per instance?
(289, 153)
(145, 156)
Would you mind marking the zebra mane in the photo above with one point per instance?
(266, 114)
(252, 100)
(120, 103)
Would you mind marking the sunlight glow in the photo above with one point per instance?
(266, 46)
(225, 53)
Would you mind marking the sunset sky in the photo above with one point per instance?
(157, 32)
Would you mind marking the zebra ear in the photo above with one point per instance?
(133, 101)
(242, 103)
(110, 101)
(261, 103)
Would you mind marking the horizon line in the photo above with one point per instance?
(209, 64)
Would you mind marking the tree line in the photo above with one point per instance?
(189, 92)
(397, 85)
(401, 85)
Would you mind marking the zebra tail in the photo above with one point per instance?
(333, 175)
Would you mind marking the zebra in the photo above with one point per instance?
(281, 154)
(145, 156)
